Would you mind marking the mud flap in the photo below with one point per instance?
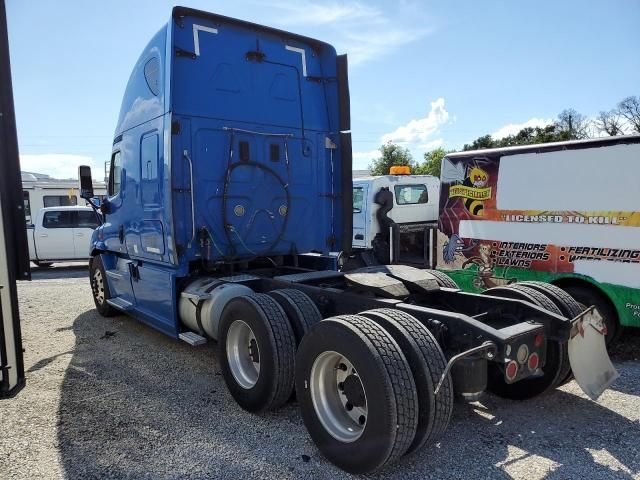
(588, 355)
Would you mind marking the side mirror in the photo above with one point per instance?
(86, 182)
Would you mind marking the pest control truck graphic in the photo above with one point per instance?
(229, 189)
(566, 213)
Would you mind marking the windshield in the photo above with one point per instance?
(357, 199)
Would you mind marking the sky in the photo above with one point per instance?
(422, 73)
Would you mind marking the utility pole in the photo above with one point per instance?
(571, 135)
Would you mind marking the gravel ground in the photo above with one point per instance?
(111, 398)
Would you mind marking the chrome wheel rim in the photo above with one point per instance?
(243, 354)
(98, 286)
(338, 396)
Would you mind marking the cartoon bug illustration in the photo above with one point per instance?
(476, 178)
(471, 185)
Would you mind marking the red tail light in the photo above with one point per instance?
(512, 370)
(534, 361)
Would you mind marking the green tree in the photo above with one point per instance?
(485, 141)
(555, 132)
(534, 135)
(390, 154)
(432, 162)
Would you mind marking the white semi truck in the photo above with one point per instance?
(394, 217)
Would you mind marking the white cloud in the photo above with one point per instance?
(367, 45)
(513, 128)
(419, 130)
(438, 142)
(306, 13)
(59, 165)
(415, 135)
(363, 159)
(363, 31)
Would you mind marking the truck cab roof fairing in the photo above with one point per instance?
(238, 71)
(144, 96)
(179, 13)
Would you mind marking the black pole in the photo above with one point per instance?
(15, 262)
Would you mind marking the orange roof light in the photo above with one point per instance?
(400, 170)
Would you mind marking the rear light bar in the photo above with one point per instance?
(529, 355)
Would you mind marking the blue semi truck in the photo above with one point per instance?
(229, 189)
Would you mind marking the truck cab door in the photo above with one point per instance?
(54, 236)
(113, 228)
(85, 222)
(360, 211)
(118, 268)
(433, 201)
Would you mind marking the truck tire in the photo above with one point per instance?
(43, 264)
(557, 365)
(427, 363)
(443, 279)
(300, 309)
(100, 288)
(568, 305)
(586, 297)
(532, 296)
(356, 392)
(256, 351)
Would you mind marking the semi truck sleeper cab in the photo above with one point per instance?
(230, 186)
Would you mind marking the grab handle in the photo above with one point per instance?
(185, 153)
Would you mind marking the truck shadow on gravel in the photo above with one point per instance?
(135, 404)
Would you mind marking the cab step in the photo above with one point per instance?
(192, 338)
(120, 303)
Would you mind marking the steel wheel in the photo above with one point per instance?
(338, 396)
(243, 354)
(98, 286)
(256, 348)
(360, 419)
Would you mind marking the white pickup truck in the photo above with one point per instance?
(61, 234)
